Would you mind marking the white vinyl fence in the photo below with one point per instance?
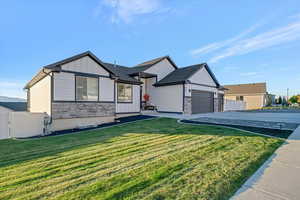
(22, 124)
(4, 126)
(232, 105)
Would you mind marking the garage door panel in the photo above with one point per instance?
(202, 102)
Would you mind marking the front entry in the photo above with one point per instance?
(202, 102)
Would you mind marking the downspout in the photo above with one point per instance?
(115, 97)
(50, 121)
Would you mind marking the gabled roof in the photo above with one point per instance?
(250, 88)
(146, 65)
(56, 67)
(181, 75)
(15, 106)
(121, 72)
(76, 57)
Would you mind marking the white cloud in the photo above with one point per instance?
(218, 45)
(126, 10)
(282, 35)
(249, 74)
(240, 45)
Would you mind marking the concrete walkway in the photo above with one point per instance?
(278, 177)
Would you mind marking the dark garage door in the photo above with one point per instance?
(202, 102)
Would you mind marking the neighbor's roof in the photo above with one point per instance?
(181, 75)
(15, 106)
(251, 88)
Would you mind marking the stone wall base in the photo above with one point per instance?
(66, 110)
(187, 105)
(216, 105)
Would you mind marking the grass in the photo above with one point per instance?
(153, 159)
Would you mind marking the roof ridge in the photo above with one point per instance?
(154, 60)
(200, 64)
(247, 84)
(66, 59)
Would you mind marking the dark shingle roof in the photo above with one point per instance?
(179, 75)
(121, 72)
(251, 88)
(15, 106)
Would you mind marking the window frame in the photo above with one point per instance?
(118, 94)
(98, 86)
(239, 98)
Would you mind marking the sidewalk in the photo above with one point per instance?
(278, 177)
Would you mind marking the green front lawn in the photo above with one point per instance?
(152, 159)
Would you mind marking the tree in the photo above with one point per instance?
(279, 100)
(270, 99)
(284, 101)
(294, 99)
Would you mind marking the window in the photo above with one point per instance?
(124, 92)
(87, 88)
(240, 98)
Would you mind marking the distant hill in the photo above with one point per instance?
(11, 99)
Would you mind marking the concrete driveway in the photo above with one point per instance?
(257, 116)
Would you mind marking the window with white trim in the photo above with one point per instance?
(124, 92)
(87, 88)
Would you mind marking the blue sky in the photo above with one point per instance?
(242, 41)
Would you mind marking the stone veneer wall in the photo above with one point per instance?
(188, 105)
(67, 110)
(216, 104)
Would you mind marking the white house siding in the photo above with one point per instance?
(130, 107)
(40, 96)
(85, 65)
(165, 98)
(106, 87)
(202, 77)
(64, 86)
(162, 69)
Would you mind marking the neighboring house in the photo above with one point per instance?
(83, 90)
(254, 94)
(6, 107)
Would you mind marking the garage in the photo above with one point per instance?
(202, 101)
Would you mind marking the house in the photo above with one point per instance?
(254, 94)
(83, 90)
(6, 107)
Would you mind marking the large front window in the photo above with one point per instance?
(86, 88)
(124, 92)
